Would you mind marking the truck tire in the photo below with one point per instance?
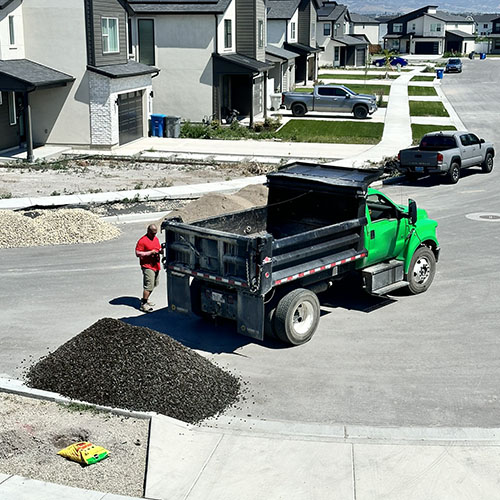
(297, 316)
(360, 111)
(269, 330)
(453, 174)
(487, 165)
(422, 270)
(412, 176)
(298, 109)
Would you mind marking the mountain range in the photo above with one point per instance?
(395, 6)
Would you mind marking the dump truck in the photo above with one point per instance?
(263, 267)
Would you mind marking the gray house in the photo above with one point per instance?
(68, 80)
(494, 37)
(340, 48)
(211, 54)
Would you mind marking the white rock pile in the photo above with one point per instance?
(52, 227)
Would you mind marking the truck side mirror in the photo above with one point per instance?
(481, 141)
(412, 211)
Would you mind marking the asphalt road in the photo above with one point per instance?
(427, 360)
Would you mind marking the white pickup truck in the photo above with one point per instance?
(446, 153)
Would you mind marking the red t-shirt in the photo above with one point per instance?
(146, 245)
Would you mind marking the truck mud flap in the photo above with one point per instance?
(178, 293)
(251, 315)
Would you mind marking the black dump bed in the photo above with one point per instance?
(314, 217)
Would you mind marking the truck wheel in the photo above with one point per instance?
(269, 330)
(453, 173)
(297, 316)
(298, 109)
(360, 112)
(411, 176)
(422, 270)
(487, 165)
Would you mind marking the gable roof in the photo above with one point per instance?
(32, 74)
(331, 11)
(178, 6)
(414, 13)
(280, 52)
(450, 18)
(281, 9)
(351, 40)
(359, 18)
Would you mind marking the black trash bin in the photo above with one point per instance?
(471, 55)
(173, 126)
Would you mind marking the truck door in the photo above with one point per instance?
(385, 231)
(323, 100)
(475, 150)
(467, 150)
(341, 101)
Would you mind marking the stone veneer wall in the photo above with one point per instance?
(104, 92)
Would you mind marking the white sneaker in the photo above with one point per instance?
(149, 303)
(146, 308)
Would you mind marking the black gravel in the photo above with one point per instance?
(115, 364)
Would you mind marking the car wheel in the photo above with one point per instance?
(422, 270)
(297, 316)
(454, 173)
(487, 165)
(360, 112)
(298, 109)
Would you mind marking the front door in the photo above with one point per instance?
(385, 231)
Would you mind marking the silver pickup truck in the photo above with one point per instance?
(329, 98)
(446, 153)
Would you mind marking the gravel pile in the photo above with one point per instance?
(52, 227)
(116, 364)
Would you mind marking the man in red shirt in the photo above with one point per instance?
(148, 249)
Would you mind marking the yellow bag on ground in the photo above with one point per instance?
(84, 453)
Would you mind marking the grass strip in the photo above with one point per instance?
(426, 108)
(349, 76)
(344, 132)
(422, 78)
(418, 131)
(414, 90)
(358, 88)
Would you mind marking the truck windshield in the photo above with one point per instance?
(349, 90)
(454, 61)
(437, 142)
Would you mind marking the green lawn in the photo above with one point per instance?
(423, 108)
(345, 132)
(418, 131)
(349, 76)
(359, 88)
(427, 91)
(422, 78)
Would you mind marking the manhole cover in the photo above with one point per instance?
(484, 217)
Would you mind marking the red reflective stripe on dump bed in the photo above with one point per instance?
(208, 276)
(318, 269)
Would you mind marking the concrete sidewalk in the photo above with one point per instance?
(227, 458)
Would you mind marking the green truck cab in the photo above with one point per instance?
(264, 267)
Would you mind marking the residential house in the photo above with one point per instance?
(340, 48)
(382, 26)
(428, 31)
(300, 35)
(65, 77)
(364, 25)
(494, 37)
(282, 27)
(484, 23)
(211, 54)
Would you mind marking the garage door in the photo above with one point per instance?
(130, 116)
(426, 47)
(360, 57)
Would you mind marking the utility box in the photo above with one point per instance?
(157, 125)
(173, 126)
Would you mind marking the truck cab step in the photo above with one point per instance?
(384, 277)
(390, 288)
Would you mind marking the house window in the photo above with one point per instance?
(497, 43)
(228, 35)
(109, 35)
(313, 31)
(146, 38)
(436, 27)
(485, 26)
(397, 28)
(336, 56)
(261, 34)
(327, 29)
(12, 109)
(414, 27)
(12, 35)
(336, 30)
(292, 31)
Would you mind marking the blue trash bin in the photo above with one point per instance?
(439, 73)
(482, 56)
(158, 125)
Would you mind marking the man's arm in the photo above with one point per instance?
(140, 252)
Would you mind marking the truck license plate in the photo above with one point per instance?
(419, 169)
(217, 297)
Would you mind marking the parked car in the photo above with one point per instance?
(446, 153)
(393, 61)
(453, 66)
(330, 98)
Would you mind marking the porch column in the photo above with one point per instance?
(251, 100)
(29, 130)
(265, 93)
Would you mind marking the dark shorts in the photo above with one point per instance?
(150, 278)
